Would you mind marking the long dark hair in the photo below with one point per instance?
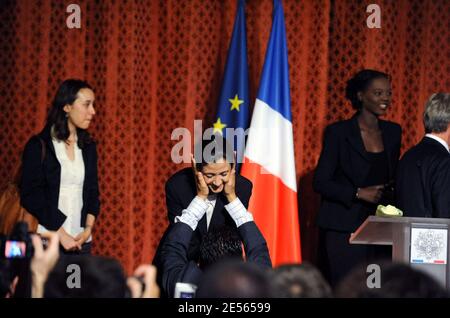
(67, 93)
(359, 83)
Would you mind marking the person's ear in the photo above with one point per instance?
(67, 108)
(448, 134)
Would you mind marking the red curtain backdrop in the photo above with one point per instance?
(157, 65)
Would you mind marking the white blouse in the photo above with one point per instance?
(70, 200)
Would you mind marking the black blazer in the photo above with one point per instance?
(40, 182)
(423, 180)
(343, 167)
(181, 190)
(176, 267)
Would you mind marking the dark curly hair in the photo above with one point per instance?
(234, 279)
(219, 243)
(101, 277)
(67, 93)
(299, 281)
(359, 83)
(213, 150)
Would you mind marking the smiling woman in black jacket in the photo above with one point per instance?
(356, 169)
(60, 187)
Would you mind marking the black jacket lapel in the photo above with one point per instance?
(354, 138)
(388, 143)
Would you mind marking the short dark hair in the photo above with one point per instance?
(219, 243)
(234, 279)
(66, 94)
(359, 83)
(213, 150)
(299, 281)
(396, 281)
(101, 277)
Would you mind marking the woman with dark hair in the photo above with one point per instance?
(355, 170)
(59, 183)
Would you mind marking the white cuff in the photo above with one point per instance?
(238, 212)
(193, 213)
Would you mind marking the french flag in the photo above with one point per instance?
(269, 154)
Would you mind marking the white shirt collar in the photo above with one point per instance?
(438, 139)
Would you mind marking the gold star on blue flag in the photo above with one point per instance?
(235, 102)
(219, 126)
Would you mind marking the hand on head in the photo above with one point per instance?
(202, 187)
(230, 184)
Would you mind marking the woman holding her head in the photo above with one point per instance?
(59, 183)
(355, 170)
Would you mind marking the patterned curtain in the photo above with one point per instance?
(157, 65)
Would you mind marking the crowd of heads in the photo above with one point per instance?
(226, 275)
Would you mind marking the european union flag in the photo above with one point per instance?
(233, 108)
